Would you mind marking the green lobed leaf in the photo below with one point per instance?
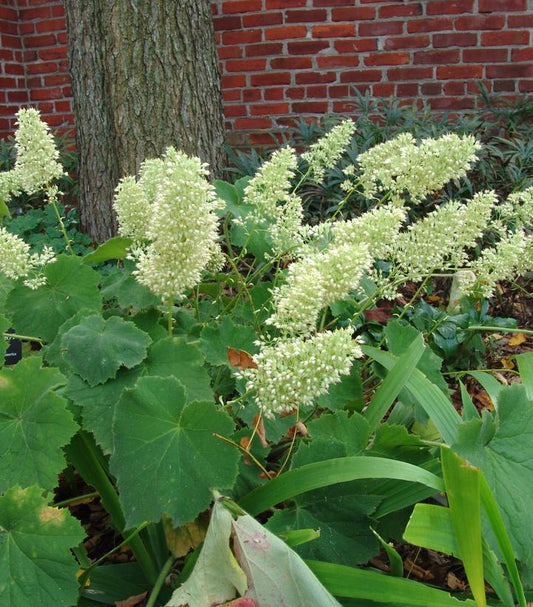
(4, 326)
(502, 446)
(217, 339)
(34, 425)
(36, 564)
(70, 287)
(114, 248)
(166, 457)
(347, 394)
(96, 349)
(123, 287)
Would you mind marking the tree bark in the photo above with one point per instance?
(144, 76)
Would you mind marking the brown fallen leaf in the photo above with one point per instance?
(454, 583)
(240, 359)
(517, 339)
(133, 601)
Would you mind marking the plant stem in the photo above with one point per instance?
(74, 500)
(499, 329)
(52, 201)
(244, 450)
(22, 337)
(159, 582)
(89, 462)
(169, 325)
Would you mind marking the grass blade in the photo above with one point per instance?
(394, 383)
(330, 472)
(525, 366)
(430, 397)
(349, 582)
(462, 482)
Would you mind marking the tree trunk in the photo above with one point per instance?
(144, 76)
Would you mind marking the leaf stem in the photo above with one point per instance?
(160, 581)
(74, 500)
(8, 335)
(53, 202)
(244, 450)
(499, 329)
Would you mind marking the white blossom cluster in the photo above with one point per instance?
(17, 262)
(325, 153)
(269, 192)
(172, 206)
(518, 208)
(513, 255)
(441, 238)
(36, 162)
(293, 372)
(400, 166)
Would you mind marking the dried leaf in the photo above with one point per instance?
(240, 359)
(133, 601)
(517, 339)
(182, 540)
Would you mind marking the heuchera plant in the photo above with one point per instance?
(209, 354)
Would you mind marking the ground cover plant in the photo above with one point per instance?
(212, 374)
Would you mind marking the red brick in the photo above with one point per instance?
(305, 16)
(407, 89)
(274, 93)
(449, 7)
(504, 38)
(316, 92)
(11, 41)
(522, 54)
(295, 93)
(332, 3)
(462, 39)
(227, 23)
(229, 82)
(56, 52)
(284, 3)
(251, 95)
(41, 68)
(399, 10)
(41, 94)
(431, 88)
(485, 55)
(520, 20)
(230, 52)
(291, 63)
(355, 45)
(306, 47)
(315, 77)
(262, 19)
(361, 76)
(26, 29)
(268, 109)
(329, 61)
(339, 90)
(525, 86)
(334, 31)
(36, 41)
(231, 95)
(454, 88)
(270, 78)
(31, 14)
(311, 107)
(286, 33)
(354, 13)
(380, 28)
(507, 70)
(55, 79)
(17, 96)
(241, 36)
(261, 50)
(504, 86)
(252, 123)
(480, 22)
(436, 57)
(241, 6)
(405, 42)
(455, 72)
(488, 6)
(409, 73)
(234, 110)
(246, 65)
(347, 107)
(381, 58)
(452, 103)
(50, 25)
(429, 25)
(8, 13)
(383, 89)
(8, 83)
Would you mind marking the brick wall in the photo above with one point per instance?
(281, 59)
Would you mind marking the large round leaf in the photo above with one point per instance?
(95, 349)
(36, 565)
(70, 287)
(34, 425)
(166, 457)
